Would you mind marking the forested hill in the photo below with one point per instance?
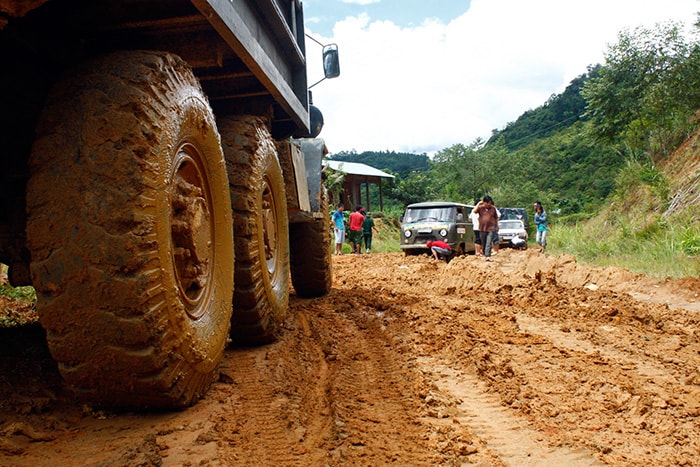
(512, 164)
(559, 112)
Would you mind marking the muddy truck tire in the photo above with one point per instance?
(261, 230)
(129, 228)
(312, 274)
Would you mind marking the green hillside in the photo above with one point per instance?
(558, 113)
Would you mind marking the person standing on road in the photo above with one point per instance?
(356, 220)
(496, 240)
(542, 226)
(339, 228)
(488, 219)
(367, 228)
(440, 249)
(474, 217)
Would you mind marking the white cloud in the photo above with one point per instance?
(361, 2)
(425, 88)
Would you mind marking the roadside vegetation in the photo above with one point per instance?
(386, 238)
(615, 160)
(662, 256)
(17, 304)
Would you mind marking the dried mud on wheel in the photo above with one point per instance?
(311, 266)
(261, 229)
(129, 229)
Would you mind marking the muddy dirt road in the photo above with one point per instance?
(528, 360)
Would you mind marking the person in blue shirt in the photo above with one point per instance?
(339, 229)
(542, 227)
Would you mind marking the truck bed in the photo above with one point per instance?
(247, 54)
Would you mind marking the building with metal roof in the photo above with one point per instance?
(356, 175)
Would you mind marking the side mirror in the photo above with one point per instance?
(331, 63)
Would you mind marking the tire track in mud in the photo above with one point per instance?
(261, 426)
(608, 370)
(464, 402)
(637, 410)
(279, 402)
(335, 390)
(640, 403)
(648, 297)
(374, 399)
(650, 370)
(505, 434)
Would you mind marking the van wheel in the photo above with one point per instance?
(129, 228)
(261, 229)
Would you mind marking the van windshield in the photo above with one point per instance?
(444, 214)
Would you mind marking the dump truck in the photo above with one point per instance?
(156, 169)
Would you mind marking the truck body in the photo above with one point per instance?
(154, 180)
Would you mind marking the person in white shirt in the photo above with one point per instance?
(474, 217)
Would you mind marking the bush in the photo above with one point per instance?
(27, 294)
(690, 243)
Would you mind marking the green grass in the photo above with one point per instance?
(19, 303)
(661, 249)
(27, 294)
(385, 240)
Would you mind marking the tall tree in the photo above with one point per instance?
(415, 188)
(644, 96)
(461, 173)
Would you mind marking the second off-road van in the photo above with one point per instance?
(437, 220)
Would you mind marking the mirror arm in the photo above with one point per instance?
(322, 45)
(317, 82)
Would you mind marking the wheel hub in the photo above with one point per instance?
(191, 229)
(269, 229)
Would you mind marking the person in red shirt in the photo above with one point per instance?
(440, 249)
(355, 237)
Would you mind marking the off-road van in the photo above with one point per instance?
(438, 220)
(514, 213)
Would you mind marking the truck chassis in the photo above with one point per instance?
(144, 195)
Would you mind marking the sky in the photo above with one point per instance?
(420, 76)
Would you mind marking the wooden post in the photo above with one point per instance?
(381, 203)
(367, 193)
